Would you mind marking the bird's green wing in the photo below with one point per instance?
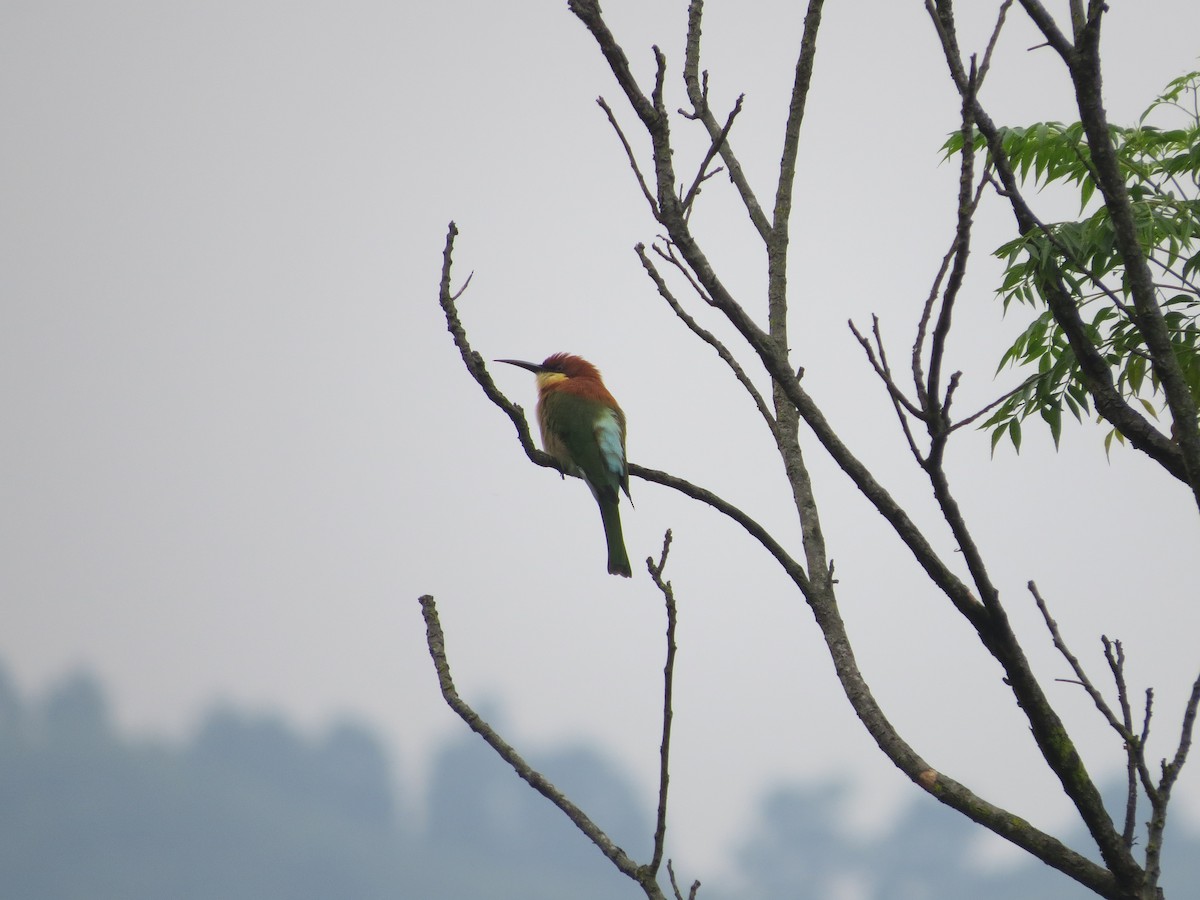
(592, 435)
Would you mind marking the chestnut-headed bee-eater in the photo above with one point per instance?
(583, 428)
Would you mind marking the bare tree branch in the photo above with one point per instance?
(991, 46)
(793, 569)
(664, 769)
(881, 366)
(633, 163)
(1120, 725)
(475, 364)
(670, 256)
(707, 336)
(675, 884)
(791, 131)
(717, 143)
(900, 403)
(1159, 798)
(436, 642)
(1046, 25)
(918, 349)
(936, 419)
(1114, 653)
(698, 96)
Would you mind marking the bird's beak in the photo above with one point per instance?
(532, 367)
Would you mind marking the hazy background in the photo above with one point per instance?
(246, 807)
(238, 443)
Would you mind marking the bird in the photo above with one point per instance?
(583, 428)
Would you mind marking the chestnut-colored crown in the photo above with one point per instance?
(570, 365)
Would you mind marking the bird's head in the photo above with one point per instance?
(557, 368)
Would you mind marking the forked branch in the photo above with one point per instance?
(645, 875)
(436, 642)
(770, 345)
(475, 363)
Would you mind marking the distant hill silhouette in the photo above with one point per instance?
(799, 851)
(252, 809)
(249, 808)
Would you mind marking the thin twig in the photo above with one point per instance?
(1189, 722)
(698, 96)
(670, 256)
(713, 149)
(793, 569)
(918, 349)
(1134, 745)
(1170, 773)
(1114, 654)
(880, 365)
(664, 769)
(951, 256)
(900, 403)
(987, 54)
(951, 387)
(987, 409)
(1185, 737)
(791, 131)
(475, 363)
(675, 884)
(1076, 667)
(707, 336)
(1046, 24)
(937, 410)
(1146, 714)
(633, 163)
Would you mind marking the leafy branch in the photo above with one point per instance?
(1161, 170)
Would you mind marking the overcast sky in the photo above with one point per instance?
(238, 442)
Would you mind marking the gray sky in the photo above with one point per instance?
(238, 442)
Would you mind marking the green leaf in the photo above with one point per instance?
(1053, 417)
(1086, 189)
(1014, 432)
(996, 435)
(1073, 407)
(1160, 161)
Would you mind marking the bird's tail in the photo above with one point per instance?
(618, 559)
